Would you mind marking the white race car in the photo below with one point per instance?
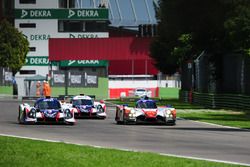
(45, 110)
(85, 107)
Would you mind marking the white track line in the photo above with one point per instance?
(213, 124)
(171, 155)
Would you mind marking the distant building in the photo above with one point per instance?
(42, 20)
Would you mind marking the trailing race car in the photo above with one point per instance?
(145, 111)
(85, 107)
(45, 110)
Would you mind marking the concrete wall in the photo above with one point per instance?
(144, 84)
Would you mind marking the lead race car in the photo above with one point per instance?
(145, 111)
(85, 107)
(45, 110)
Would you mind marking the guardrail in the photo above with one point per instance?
(210, 100)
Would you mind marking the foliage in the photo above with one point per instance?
(184, 49)
(238, 28)
(13, 47)
(186, 28)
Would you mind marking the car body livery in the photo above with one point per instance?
(145, 111)
(45, 110)
(85, 107)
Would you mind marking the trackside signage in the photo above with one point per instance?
(83, 14)
(82, 63)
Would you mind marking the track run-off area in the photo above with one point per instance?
(187, 138)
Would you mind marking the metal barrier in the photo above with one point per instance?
(209, 100)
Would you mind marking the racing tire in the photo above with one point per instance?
(70, 123)
(18, 118)
(118, 122)
(173, 123)
(21, 119)
(125, 122)
(122, 117)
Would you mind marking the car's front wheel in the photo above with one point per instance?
(21, 117)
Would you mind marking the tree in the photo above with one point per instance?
(13, 47)
(238, 28)
(201, 21)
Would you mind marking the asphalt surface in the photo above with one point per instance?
(187, 138)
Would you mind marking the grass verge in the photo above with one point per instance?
(29, 153)
(7, 90)
(170, 93)
(238, 119)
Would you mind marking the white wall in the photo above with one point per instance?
(45, 29)
(143, 84)
(39, 4)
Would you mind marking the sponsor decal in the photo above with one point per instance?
(39, 37)
(77, 63)
(38, 61)
(93, 14)
(71, 13)
(83, 35)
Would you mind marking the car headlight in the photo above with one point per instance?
(68, 114)
(100, 108)
(132, 113)
(167, 113)
(32, 113)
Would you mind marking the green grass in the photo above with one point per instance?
(6, 90)
(170, 93)
(238, 119)
(101, 92)
(29, 153)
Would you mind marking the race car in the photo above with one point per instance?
(85, 107)
(145, 111)
(45, 110)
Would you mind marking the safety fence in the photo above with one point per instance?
(226, 101)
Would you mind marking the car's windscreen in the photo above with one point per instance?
(82, 102)
(49, 105)
(147, 104)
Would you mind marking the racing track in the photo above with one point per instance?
(187, 138)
